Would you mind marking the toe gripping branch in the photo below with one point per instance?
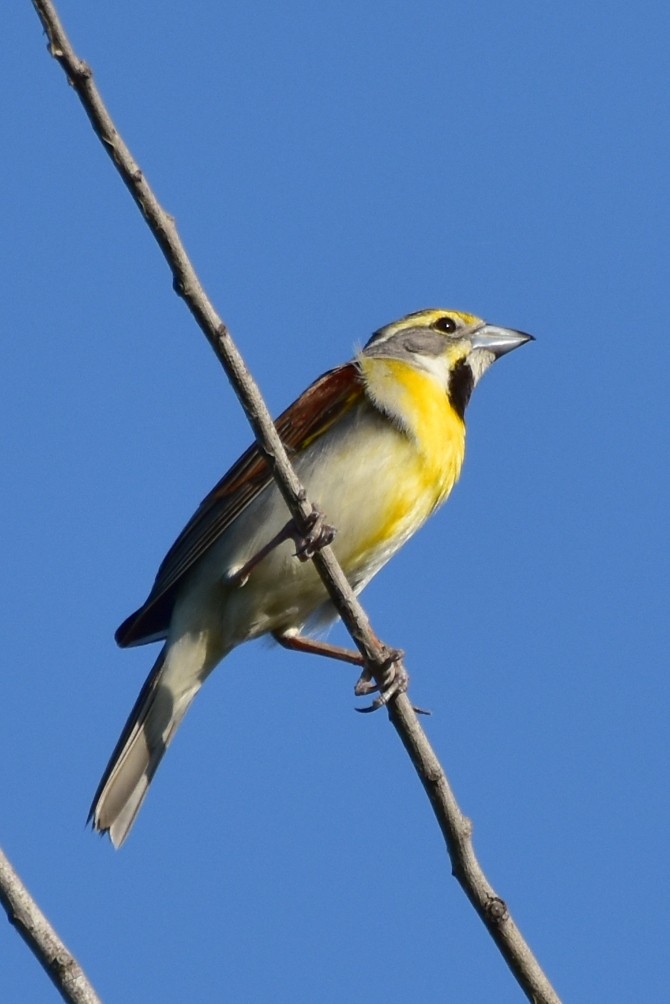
(318, 535)
(396, 681)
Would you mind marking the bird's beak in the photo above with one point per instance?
(498, 340)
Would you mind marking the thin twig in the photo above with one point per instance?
(60, 965)
(455, 827)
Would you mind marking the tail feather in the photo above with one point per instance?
(146, 735)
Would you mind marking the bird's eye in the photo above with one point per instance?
(447, 325)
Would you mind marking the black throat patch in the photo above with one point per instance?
(461, 382)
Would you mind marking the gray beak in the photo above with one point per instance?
(498, 340)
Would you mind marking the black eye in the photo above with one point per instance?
(447, 325)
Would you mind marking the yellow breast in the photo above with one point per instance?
(429, 449)
(418, 403)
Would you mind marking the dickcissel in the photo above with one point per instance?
(378, 443)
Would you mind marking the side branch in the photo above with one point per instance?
(453, 824)
(24, 914)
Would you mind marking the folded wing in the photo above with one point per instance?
(301, 424)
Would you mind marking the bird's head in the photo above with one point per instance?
(454, 347)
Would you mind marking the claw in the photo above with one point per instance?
(319, 534)
(395, 687)
(396, 683)
(378, 703)
(365, 685)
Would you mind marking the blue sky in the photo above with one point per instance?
(331, 168)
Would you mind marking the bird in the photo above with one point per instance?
(378, 442)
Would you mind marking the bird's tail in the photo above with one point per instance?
(162, 703)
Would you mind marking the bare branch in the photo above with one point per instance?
(60, 965)
(455, 827)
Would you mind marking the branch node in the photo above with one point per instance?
(84, 71)
(496, 910)
(466, 827)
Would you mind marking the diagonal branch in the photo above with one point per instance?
(455, 827)
(24, 914)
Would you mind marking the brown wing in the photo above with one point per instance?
(303, 422)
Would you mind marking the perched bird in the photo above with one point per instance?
(378, 443)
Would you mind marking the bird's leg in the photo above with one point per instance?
(301, 643)
(398, 677)
(318, 535)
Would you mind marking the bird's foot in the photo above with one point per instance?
(319, 533)
(396, 681)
